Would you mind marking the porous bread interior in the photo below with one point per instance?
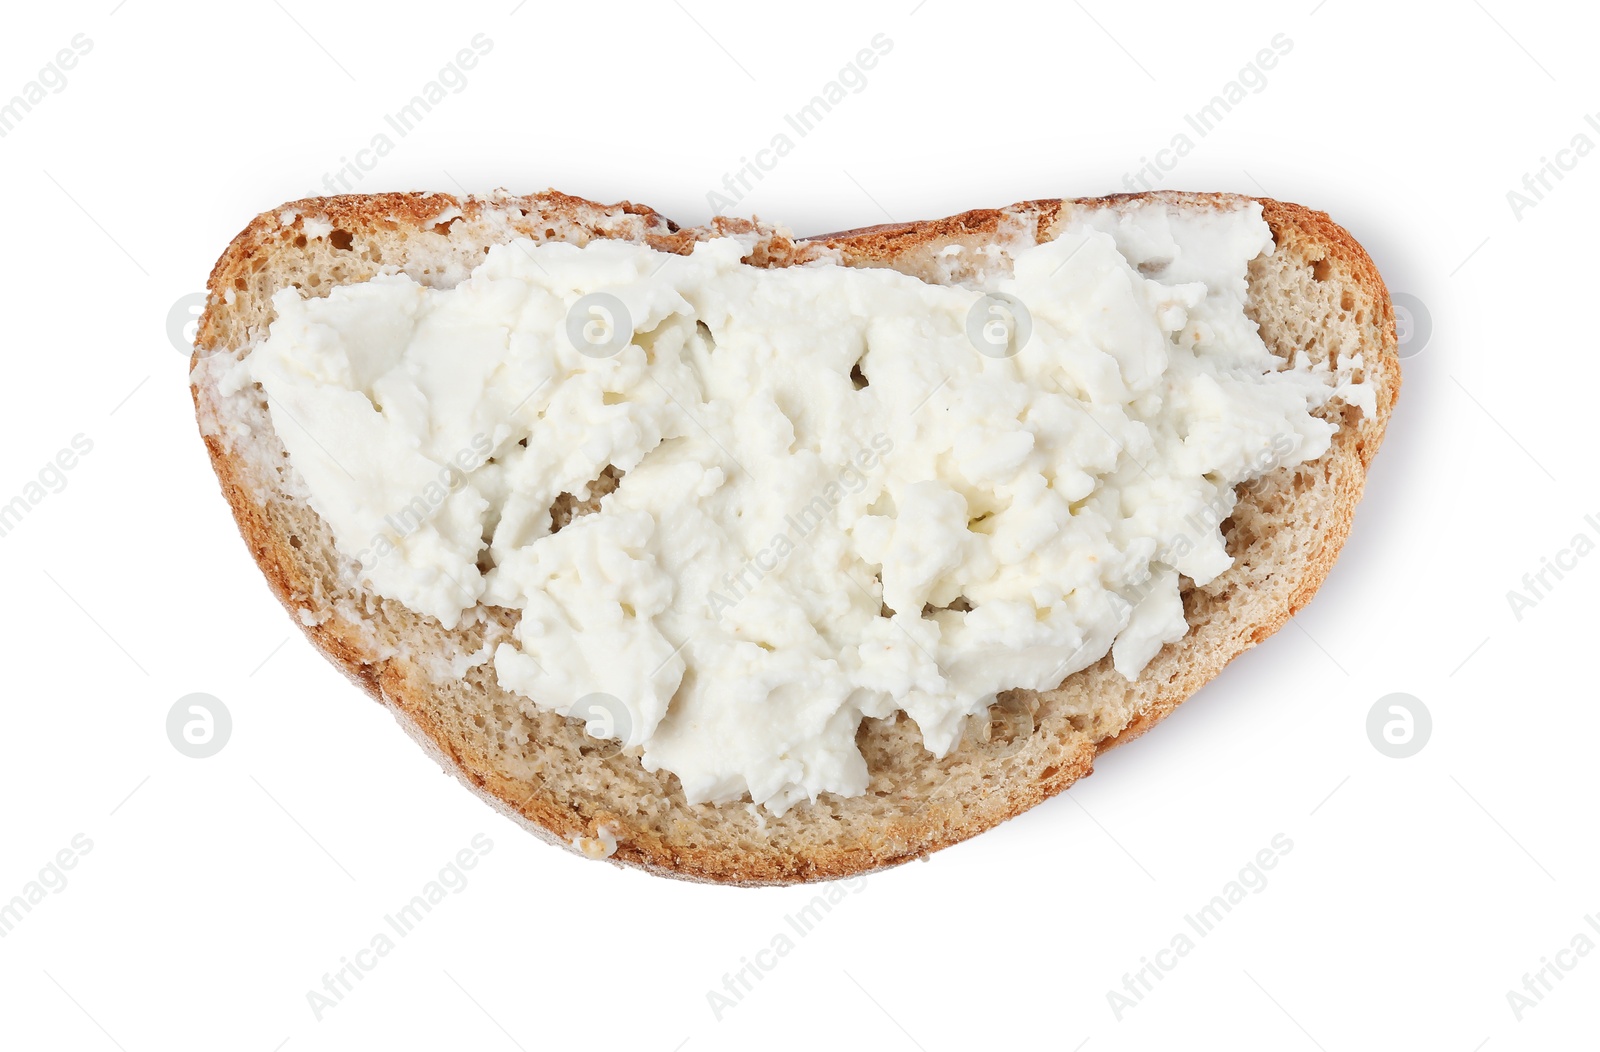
(1317, 295)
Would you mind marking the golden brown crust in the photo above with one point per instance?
(916, 829)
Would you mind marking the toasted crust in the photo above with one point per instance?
(1285, 534)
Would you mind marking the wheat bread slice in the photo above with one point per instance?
(1318, 294)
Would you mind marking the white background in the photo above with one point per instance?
(218, 892)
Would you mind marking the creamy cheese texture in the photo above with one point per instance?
(843, 492)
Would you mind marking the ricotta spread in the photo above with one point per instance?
(843, 492)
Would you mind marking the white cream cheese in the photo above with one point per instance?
(790, 550)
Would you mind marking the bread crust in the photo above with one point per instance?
(693, 842)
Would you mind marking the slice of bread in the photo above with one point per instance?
(1317, 295)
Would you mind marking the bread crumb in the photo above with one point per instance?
(602, 845)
